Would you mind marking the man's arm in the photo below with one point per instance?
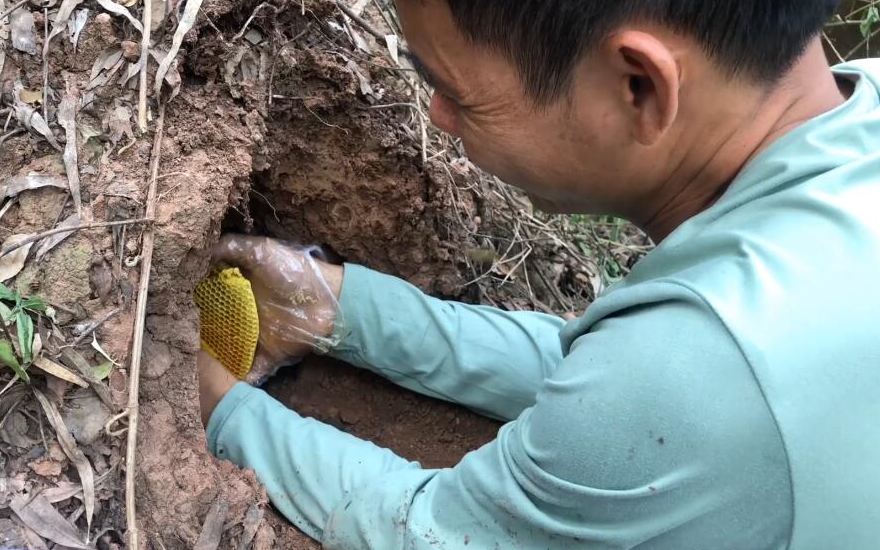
(484, 358)
(487, 359)
(663, 445)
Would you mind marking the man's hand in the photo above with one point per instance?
(297, 298)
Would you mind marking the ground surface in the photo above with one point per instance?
(295, 123)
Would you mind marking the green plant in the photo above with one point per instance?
(15, 318)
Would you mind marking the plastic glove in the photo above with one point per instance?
(297, 298)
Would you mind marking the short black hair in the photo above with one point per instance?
(761, 39)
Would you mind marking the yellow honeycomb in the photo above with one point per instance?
(230, 326)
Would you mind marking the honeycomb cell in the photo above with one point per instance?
(230, 324)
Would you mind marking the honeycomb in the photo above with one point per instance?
(230, 325)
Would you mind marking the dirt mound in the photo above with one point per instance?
(321, 161)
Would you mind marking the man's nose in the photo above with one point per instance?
(443, 114)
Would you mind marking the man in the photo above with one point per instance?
(725, 396)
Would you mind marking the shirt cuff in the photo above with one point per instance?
(223, 419)
(356, 289)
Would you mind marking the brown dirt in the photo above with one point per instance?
(435, 433)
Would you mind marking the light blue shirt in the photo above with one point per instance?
(724, 396)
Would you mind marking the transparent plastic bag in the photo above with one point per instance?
(297, 297)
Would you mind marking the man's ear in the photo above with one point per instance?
(650, 80)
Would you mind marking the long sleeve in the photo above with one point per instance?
(487, 359)
(665, 445)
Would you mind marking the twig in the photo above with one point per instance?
(145, 56)
(423, 128)
(58, 230)
(833, 47)
(862, 44)
(251, 18)
(8, 12)
(361, 21)
(138, 343)
(46, 65)
(92, 328)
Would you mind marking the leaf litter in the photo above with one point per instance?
(83, 467)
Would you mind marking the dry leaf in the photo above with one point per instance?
(62, 491)
(76, 24)
(23, 30)
(393, 44)
(32, 120)
(250, 524)
(58, 371)
(356, 37)
(12, 263)
(14, 431)
(44, 519)
(97, 347)
(59, 23)
(34, 541)
(212, 529)
(104, 61)
(17, 184)
(73, 357)
(116, 9)
(187, 20)
(67, 120)
(83, 467)
(366, 87)
(11, 535)
(172, 77)
(52, 241)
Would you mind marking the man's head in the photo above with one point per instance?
(589, 105)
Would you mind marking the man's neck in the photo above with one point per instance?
(734, 134)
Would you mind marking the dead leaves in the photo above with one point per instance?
(116, 9)
(34, 121)
(187, 20)
(40, 516)
(23, 31)
(212, 529)
(52, 241)
(11, 264)
(18, 184)
(83, 467)
(67, 120)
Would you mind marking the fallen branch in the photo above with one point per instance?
(360, 21)
(57, 230)
(138, 343)
(144, 61)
